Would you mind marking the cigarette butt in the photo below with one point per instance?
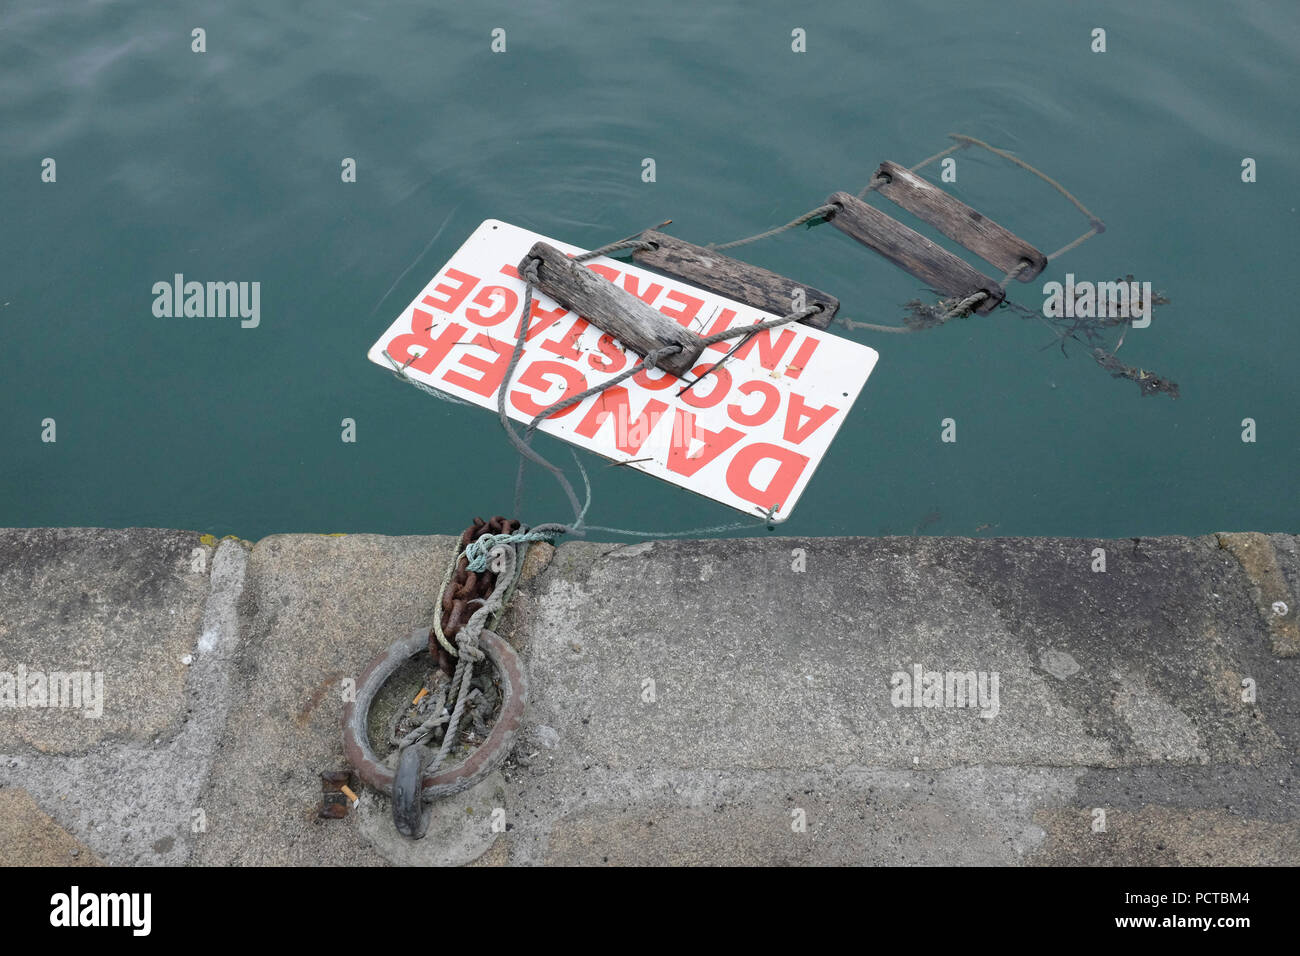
(347, 792)
(424, 692)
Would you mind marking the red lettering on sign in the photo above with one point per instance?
(615, 358)
(715, 387)
(771, 402)
(633, 284)
(490, 295)
(740, 473)
(723, 322)
(456, 294)
(567, 345)
(665, 379)
(769, 351)
(796, 429)
(493, 370)
(802, 357)
(534, 377)
(685, 433)
(690, 307)
(607, 272)
(435, 350)
(629, 433)
(542, 319)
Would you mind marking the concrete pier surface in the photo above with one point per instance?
(166, 698)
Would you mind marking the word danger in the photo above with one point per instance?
(748, 434)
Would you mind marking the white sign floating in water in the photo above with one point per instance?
(749, 435)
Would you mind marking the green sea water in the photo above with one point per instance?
(225, 165)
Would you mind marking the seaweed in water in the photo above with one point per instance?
(921, 316)
(1090, 330)
(1136, 306)
(1150, 383)
(1085, 329)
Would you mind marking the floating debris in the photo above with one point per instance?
(923, 315)
(1151, 383)
(928, 315)
(1090, 330)
(1135, 306)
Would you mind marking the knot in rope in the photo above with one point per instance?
(468, 646)
(478, 552)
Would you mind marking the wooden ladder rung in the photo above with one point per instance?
(908, 249)
(769, 291)
(958, 221)
(611, 309)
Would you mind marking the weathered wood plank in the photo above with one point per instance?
(769, 291)
(958, 221)
(908, 249)
(640, 327)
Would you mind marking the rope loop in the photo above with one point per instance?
(478, 552)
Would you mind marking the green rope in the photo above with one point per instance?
(477, 551)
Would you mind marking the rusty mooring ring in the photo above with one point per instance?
(486, 757)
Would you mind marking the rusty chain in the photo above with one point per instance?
(464, 590)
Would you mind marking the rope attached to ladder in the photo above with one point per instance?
(523, 443)
(922, 317)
